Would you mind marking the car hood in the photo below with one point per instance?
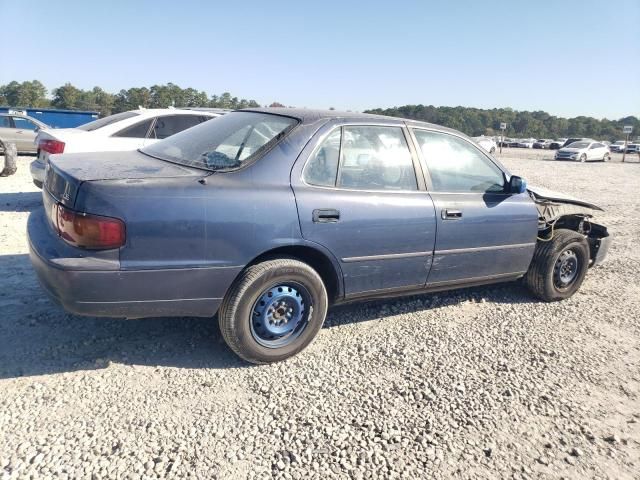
(545, 193)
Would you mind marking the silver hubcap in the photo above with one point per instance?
(566, 269)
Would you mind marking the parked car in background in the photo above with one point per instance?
(633, 148)
(557, 144)
(526, 143)
(583, 151)
(514, 143)
(542, 143)
(122, 131)
(617, 147)
(569, 141)
(21, 130)
(504, 142)
(268, 216)
(488, 143)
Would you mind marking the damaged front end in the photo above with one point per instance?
(557, 211)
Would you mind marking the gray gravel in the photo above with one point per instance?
(478, 383)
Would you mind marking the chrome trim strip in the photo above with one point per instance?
(484, 249)
(462, 281)
(389, 256)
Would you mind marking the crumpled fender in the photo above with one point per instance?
(546, 194)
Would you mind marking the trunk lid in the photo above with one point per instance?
(66, 173)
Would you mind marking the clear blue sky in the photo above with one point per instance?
(566, 57)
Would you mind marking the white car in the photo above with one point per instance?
(122, 131)
(526, 143)
(583, 151)
(488, 143)
(617, 147)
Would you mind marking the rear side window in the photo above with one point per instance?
(322, 167)
(103, 122)
(455, 165)
(172, 124)
(139, 130)
(370, 158)
(23, 124)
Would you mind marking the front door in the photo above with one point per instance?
(483, 232)
(358, 195)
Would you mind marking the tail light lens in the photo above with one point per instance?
(89, 231)
(51, 146)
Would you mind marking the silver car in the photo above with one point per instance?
(21, 130)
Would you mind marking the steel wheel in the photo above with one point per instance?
(565, 269)
(280, 315)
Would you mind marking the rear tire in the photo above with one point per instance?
(558, 266)
(273, 310)
(493, 150)
(606, 157)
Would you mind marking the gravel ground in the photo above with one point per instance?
(477, 383)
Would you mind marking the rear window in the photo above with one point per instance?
(578, 145)
(103, 122)
(224, 143)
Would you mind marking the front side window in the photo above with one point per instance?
(24, 124)
(5, 122)
(455, 165)
(138, 130)
(223, 143)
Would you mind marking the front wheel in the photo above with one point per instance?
(583, 157)
(273, 311)
(558, 266)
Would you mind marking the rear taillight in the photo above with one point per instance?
(51, 146)
(88, 231)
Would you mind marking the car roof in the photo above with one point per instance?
(307, 116)
(171, 111)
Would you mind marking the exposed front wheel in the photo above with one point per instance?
(558, 266)
(273, 311)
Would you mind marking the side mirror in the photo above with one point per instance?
(517, 184)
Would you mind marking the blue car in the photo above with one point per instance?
(269, 216)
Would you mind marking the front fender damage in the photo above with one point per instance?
(561, 211)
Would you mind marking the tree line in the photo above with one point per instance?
(538, 124)
(472, 121)
(34, 94)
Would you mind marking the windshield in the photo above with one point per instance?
(578, 145)
(224, 143)
(103, 122)
(619, 142)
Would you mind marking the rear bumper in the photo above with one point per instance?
(92, 287)
(37, 172)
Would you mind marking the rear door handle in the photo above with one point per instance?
(448, 214)
(325, 215)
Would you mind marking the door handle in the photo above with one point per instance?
(448, 214)
(325, 215)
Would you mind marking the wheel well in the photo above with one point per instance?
(312, 257)
(581, 223)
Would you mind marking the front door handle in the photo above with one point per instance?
(448, 214)
(325, 215)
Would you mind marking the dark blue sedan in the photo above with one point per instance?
(268, 216)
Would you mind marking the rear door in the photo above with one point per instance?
(359, 195)
(483, 232)
(25, 134)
